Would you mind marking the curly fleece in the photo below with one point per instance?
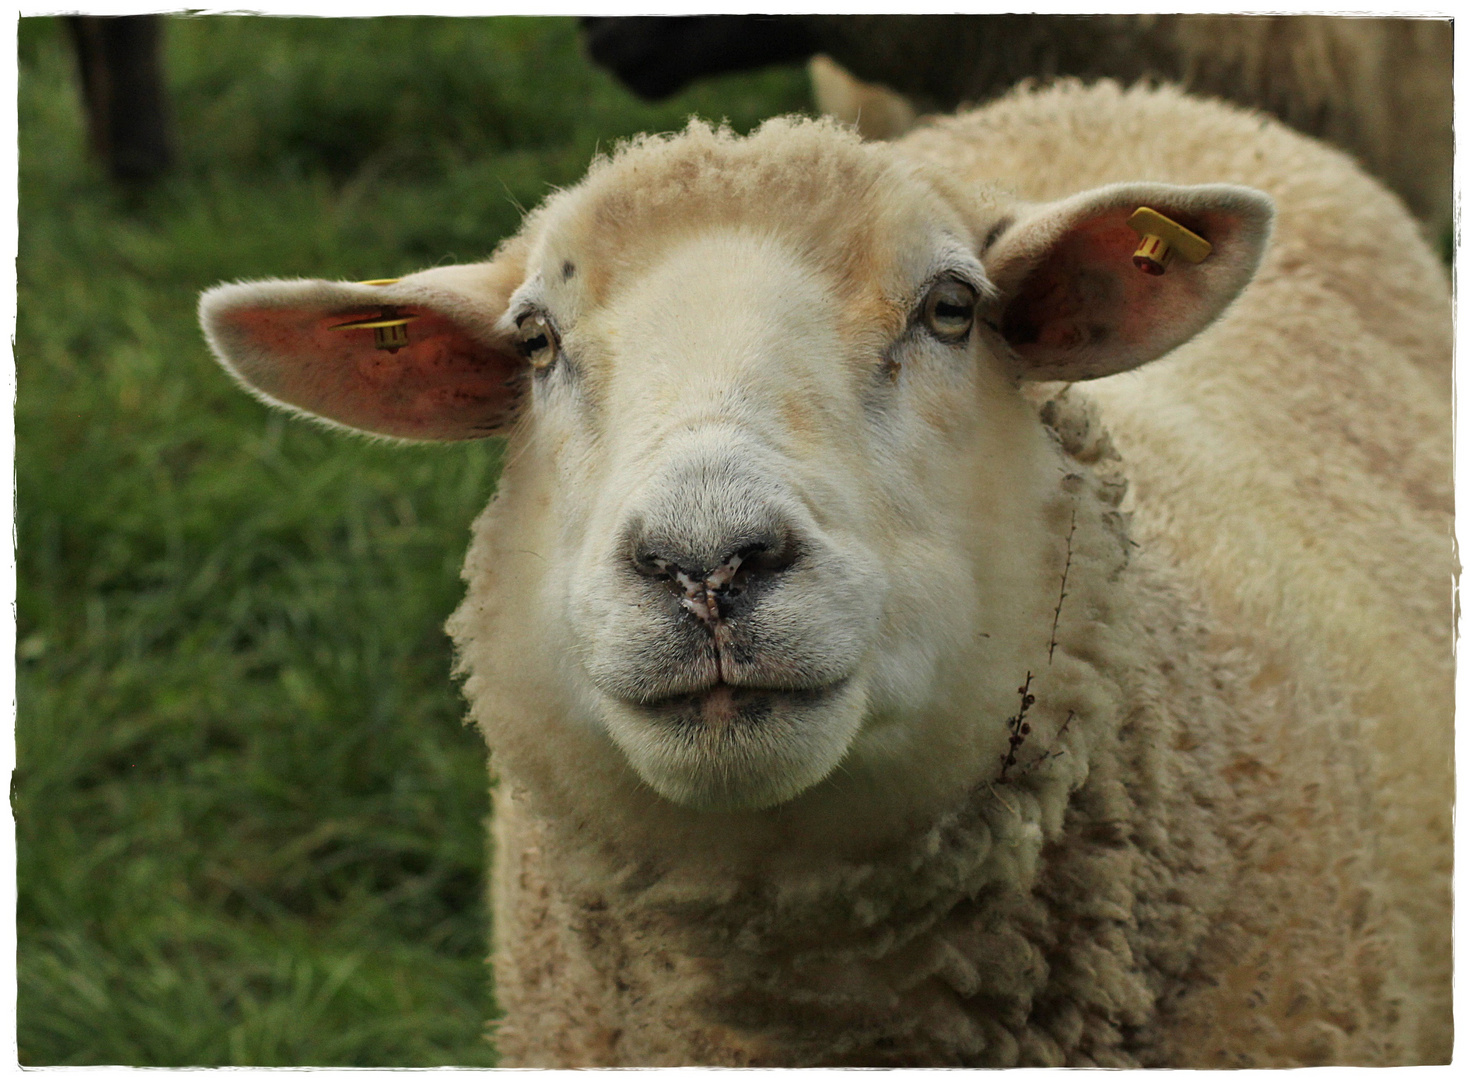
(1226, 838)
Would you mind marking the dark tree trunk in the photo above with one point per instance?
(120, 61)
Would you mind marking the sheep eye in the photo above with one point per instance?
(949, 309)
(536, 340)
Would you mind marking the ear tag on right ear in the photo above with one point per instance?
(1160, 238)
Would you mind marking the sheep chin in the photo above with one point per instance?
(738, 750)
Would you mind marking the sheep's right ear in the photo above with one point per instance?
(448, 372)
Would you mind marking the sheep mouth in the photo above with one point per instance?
(723, 705)
(735, 748)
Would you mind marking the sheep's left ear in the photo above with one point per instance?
(1074, 305)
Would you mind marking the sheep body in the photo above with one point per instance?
(628, 942)
(1153, 672)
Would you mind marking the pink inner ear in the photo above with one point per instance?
(1086, 310)
(442, 385)
(1074, 298)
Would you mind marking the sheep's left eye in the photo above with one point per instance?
(949, 309)
(536, 341)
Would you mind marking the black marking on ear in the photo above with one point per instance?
(567, 270)
(995, 233)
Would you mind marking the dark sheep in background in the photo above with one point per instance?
(1378, 88)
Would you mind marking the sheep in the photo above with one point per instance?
(872, 110)
(906, 633)
(1379, 88)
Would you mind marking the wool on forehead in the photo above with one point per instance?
(812, 181)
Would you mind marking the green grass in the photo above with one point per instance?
(249, 819)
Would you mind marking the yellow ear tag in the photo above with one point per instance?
(390, 329)
(1160, 238)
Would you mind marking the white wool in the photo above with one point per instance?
(786, 949)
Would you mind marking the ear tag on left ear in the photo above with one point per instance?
(390, 329)
(1160, 238)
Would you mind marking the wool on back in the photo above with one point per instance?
(1305, 482)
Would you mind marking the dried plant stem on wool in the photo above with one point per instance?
(1051, 647)
(1017, 725)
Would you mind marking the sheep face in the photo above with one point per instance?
(774, 502)
(746, 497)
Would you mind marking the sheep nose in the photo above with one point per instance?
(712, 587)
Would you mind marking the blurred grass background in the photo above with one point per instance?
(249, 819)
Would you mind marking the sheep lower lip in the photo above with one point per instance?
(725, 705)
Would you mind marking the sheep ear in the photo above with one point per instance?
(1074, 305)
(447, 373)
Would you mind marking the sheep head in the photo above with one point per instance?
(772, 500)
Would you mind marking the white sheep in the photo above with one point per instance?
(861, 691)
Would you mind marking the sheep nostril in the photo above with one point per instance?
(746, 565)
(656, 566)
(761, 560)
(652, 566)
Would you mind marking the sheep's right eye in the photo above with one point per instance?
(536, 341)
